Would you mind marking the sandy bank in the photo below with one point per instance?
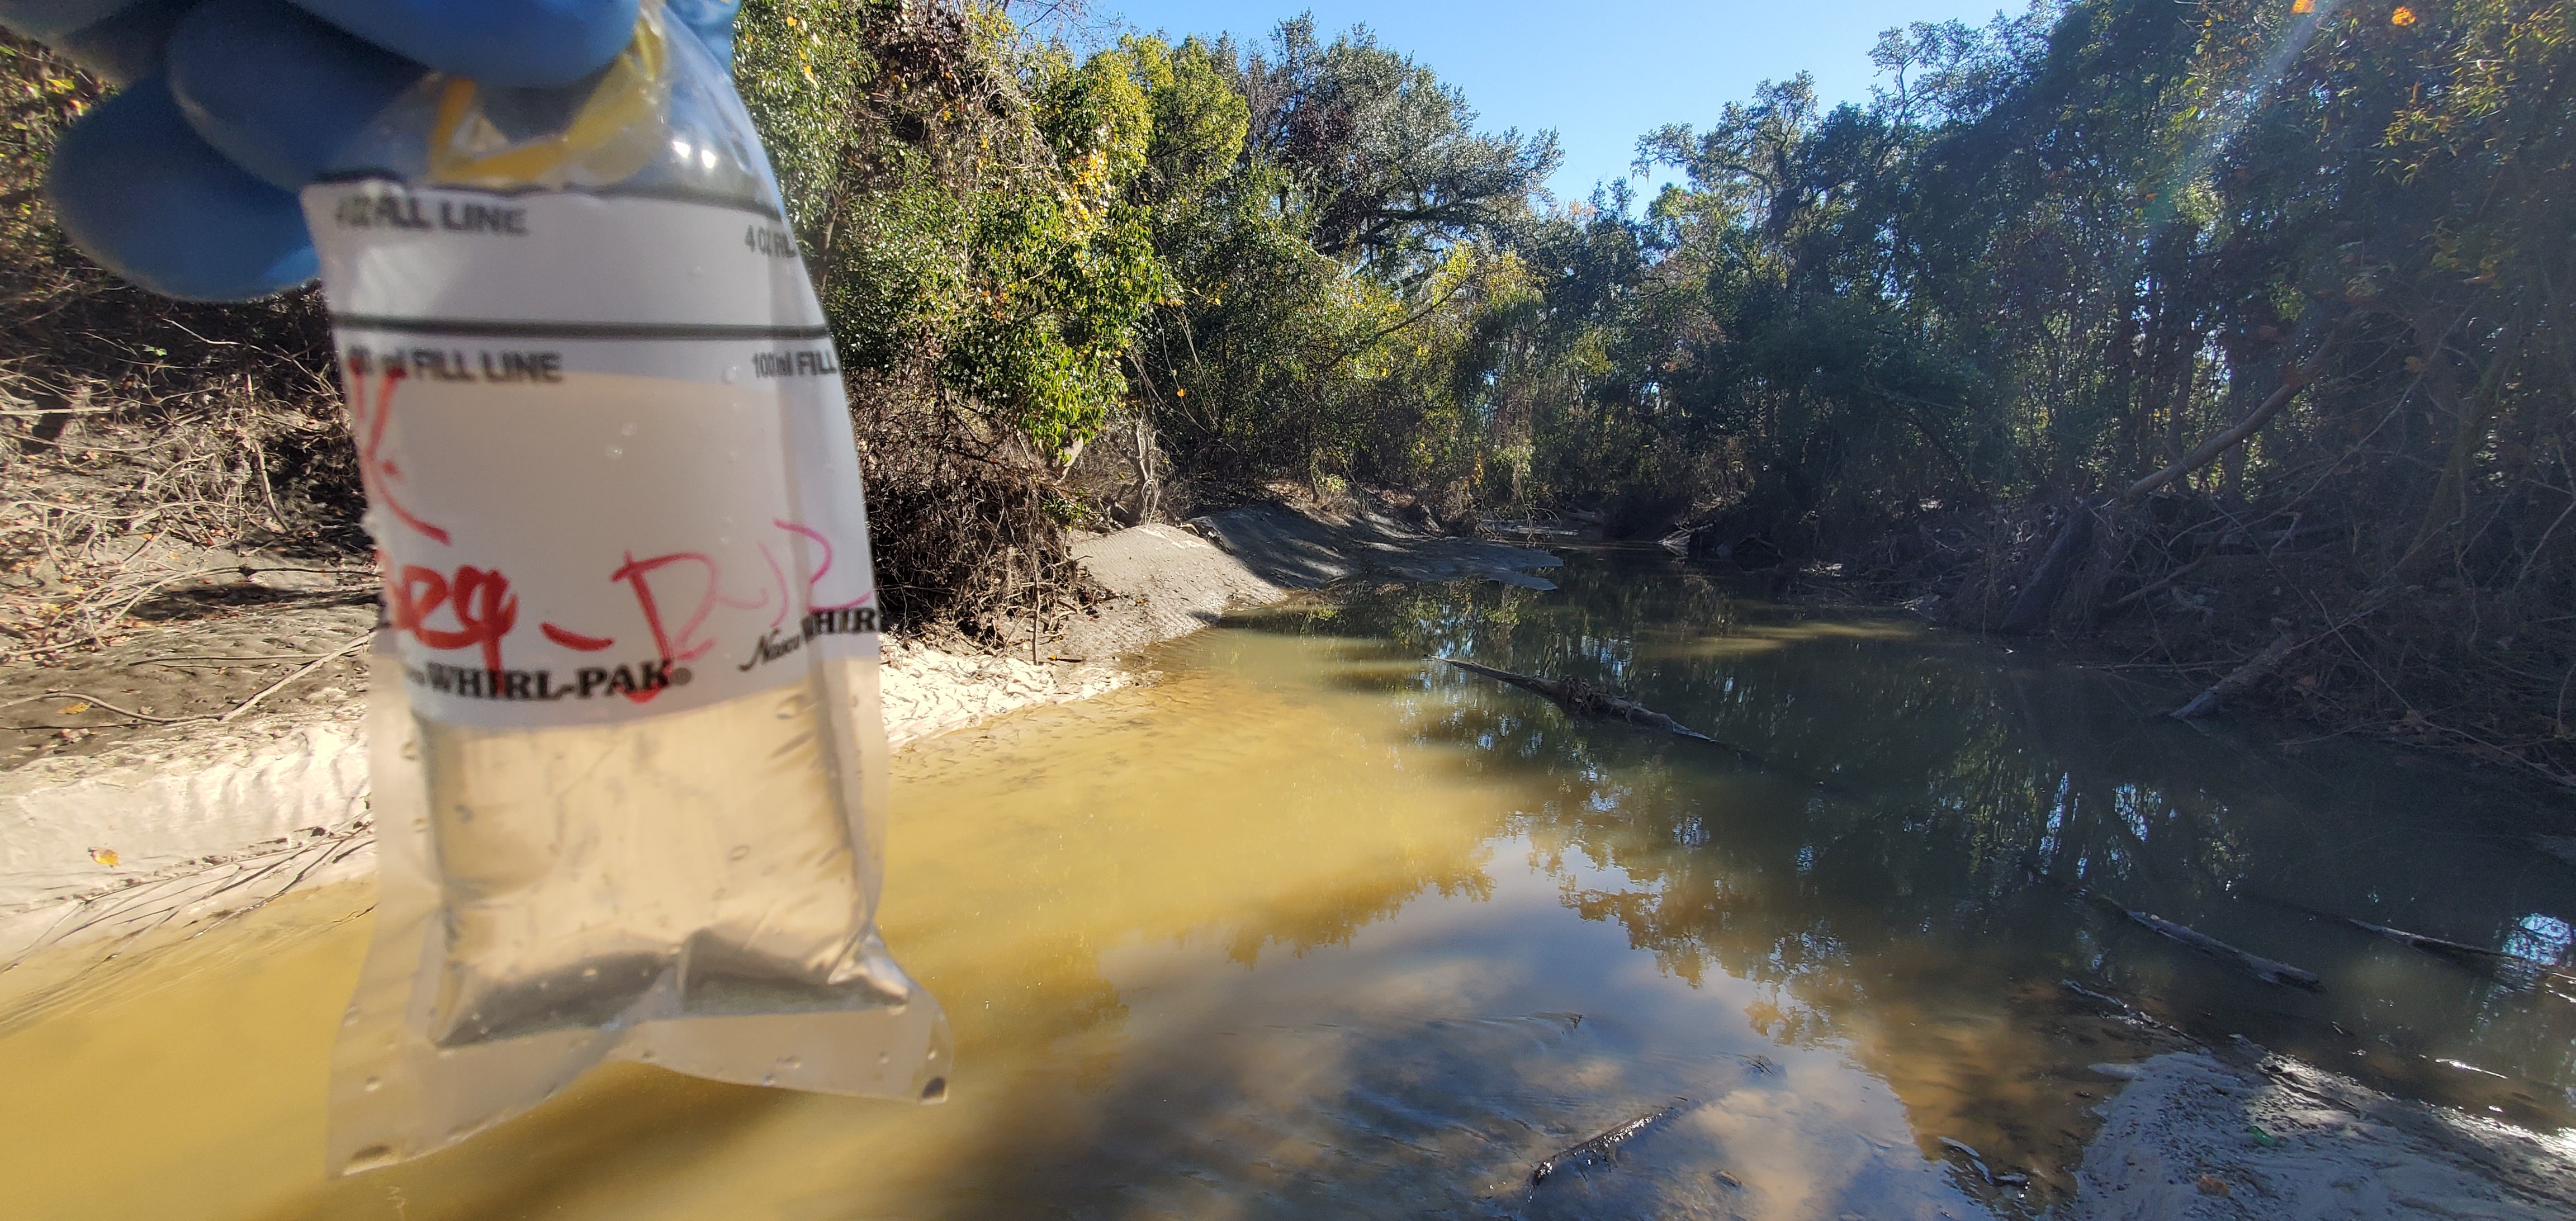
(142, 823)
(2197, 1136)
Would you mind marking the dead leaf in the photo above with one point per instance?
(75, 708)
(104, 856)
(2212, 1185)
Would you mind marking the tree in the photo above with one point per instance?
(1389, 158)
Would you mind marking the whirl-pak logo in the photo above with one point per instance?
(639, 680)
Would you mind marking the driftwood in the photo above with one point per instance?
(2240, 678)
(2058, 565)
(1584, 699)
(2273, 654)
(1601, 1149)
(2128, 1012)
(1984, 1171)
(1581, 697)
(2270, 972)
(2456, 951)
(2144, 592)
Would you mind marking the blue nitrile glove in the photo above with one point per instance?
(184, 181)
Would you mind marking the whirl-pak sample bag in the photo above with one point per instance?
(628, 762)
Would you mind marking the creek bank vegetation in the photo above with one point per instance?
(1070, 292)
(2229, 335)
(2226, 336)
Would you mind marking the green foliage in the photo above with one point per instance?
(2053, 254)
(1066, 268)
(1339, 238)
(1295, 262)
(2048, 255)
(1388, 159)
(1199, 121)
(965, 202)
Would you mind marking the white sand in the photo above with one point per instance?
(2179, 1141)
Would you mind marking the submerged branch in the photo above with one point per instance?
(1601, 1149)
(2443, 947)
(1584, 699)
(2270, 972)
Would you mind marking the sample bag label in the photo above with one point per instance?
(576, 488)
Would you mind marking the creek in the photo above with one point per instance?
(1306, 926)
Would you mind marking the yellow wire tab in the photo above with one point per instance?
(610, 137)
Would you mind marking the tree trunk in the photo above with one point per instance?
(2253, 422)
(2450, 503)
(2031, 608)
(2224, 441)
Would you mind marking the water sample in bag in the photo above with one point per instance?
(628, 762)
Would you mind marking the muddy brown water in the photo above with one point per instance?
(1307, 928)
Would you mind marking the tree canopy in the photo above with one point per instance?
(2048, 257)
(2280, 281)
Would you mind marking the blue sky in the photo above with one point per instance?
(1601, 74)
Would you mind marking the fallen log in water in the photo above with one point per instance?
(1602, 1149)
(2270, 972)
(2128, 1013)
(1584, 699)
(2262, 664)
(2161, 584)
(2456, 951)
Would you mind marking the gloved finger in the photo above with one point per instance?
(277, 89)
(711, 21)
(499, 42)
(140, 194)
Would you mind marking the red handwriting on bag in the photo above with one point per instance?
(478, 600)
(673, 646)
(377, 472)
(638, 573)
(484, 610)
(821, 570)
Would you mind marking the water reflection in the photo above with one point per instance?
(1970, 788)
(1311, 928)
